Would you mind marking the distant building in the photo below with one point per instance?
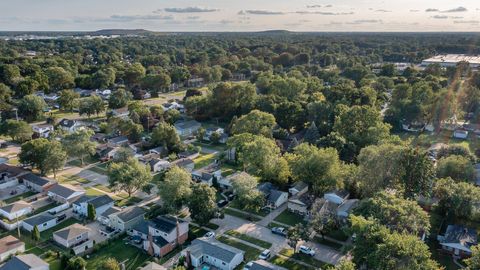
(460, 134)
(187, 128)
(42, 130)
(451, 60)
(69, 125)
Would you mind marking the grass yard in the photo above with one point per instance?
(234, 213)
(195, 232)
(86, 161)
(274, 224)
(426, 139)
(72, 179)
(288, 264)
(250, 239)
(120, 251)
(19, 197)
(204, 160)
(102, 188)
(93, 192)
(251, 253)
(288, 252)
(339, 235)
(98, 170)
(261, 212)
(13, 161)
(219, 148)
(328, 243)
(290, 218)
(128, 201)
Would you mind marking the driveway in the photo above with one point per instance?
(95, 234)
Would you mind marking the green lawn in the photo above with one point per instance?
(219, 148)
(102, 188)
(117, 249)
(274, 224)
(93, 192)
(289, 264)
(339, 235)
(86, 161)
(204, 160)
(250, 239)
(72, 179)
(20, 197)
(261, 212)
(195, 232)
(240, 215)
(128, 201)
(98, 170)
(290, 218)
(288, 252)
(251, 253)
(426, 139)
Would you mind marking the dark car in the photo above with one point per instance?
(231, 197)
(61, 217)
(280, 231)
(222, 203)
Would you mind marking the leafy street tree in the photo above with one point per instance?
(456, 199)
(248, 196)
(166, 135)
(255, 122)
(119, 99)
(91, 213)
(35, 233)
(474, 261)
(31, 108)
(110, 264)
(68, 100)
(395, 213)
(296, 234)
(201, 203)
(5, 97)
(418, 173)
(76, 263)
(128, 176)
(312, 135)
(79, 145)
(91, 105)
(459, 168)
(175, 189)
(323, 219)
(59, 78)
(43, 155)
(19, 131)
(134, 74)
(343, 264)
(319, 167)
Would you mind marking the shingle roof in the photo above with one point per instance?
(67, 123)
(187, 124)
(71, 231)
(462, 235)
(39, 219)
(96, 201)
(16, 206)
(64, 191)
(264, 265)
(8, 243)
(35, 179)
(12, 170)
(165, 223)
(153, 266)
(275, 194)
(130, 213)
(24, 262)
(141, 227)
(213, 248)
(118, 139)
(109, 211)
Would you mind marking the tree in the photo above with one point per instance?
(43, 155)
(229, 99)
(19, 131)
(459, 168)
(128, 176)
(110, 264)
(319, 167)
(324, 219)
(157, 83)
(35, 233)
(165, 134)
(91, 105)
(76, 263)
(175, 189)
(343, 264)
(312, 135)
(59, 78)
(377, 247)
(5, 97)
(78, 144)
(248, 196)
(474, 261)
(255, 122)
(119, 99)
(103, 78)
(134, 74)
(296, 234)
(68, 100)
(91, 213)
(395, 213)
(31, 107)
(456, 199)
(201, 203)
(171, 116)
(418, 173)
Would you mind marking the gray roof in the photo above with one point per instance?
(165, 223)
(24, 262)
(96, 201)
(118, 139)
(142, 227)
(183, 162)
(264, 265)
(67, 123)
(187, 124)
(35, 179)
(460, 234)
(300, 185)
(39, 219)
(109, 211)
(16, 206)
(214, 248)
(71, 231)
(63, 190)
(275, 194)
(128, 214)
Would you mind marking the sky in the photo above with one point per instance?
(241, 15)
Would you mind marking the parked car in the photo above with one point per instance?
(307, 250)
(231, 197)
(222, 203)
(248, 266)
(265, 254)
(209, 235)
(280, 231)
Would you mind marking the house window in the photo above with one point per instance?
(79, 237)
(224, 263)
(44, 224)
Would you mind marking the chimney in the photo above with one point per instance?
(150, 244)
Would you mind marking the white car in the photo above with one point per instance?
(307, 250)
(209, 235)
(265, 254)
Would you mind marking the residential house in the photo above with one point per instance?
(337, 196)
(160, 150)
(152, 266)
(187, 128)
(9, 175)
(72, 235)
(195, 82)
(274, 198)
(10, 245)
(104, 218)
(36, 183)
(206, 175)
(262, 265)
(226, 182)
(42, 130)
(211, 252)
(238, 77)
(25, 262)
(173, 106)
(15, 210)
(302, 204)
(460, 134)
(121, 113)
(159, 165)
(212, 130)
(105, 152)
(164, 234)
(298, 189)
(458, 240)
(126, 219)
(189, 154)
(100, 203)
(99, 138)
(43, 221)
(338, 202)
(63, 193)
(69, 125)
(184, 163)
(50, 98)
(117, 141)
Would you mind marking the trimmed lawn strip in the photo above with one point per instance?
(290, 218)
(98, 170)
(128, 201)
(251, 253)
(102, 188)
(93, 192)
(212, 226)
(240, 215)
(19, 197)
(288, 252)
(250, 239)
(289, 264)
(204, 160)
(328, 243)
(261, 212)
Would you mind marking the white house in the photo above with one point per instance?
(72, 235)
(104, 218)
(212, 252)
(69, 125)
(9, 175)
(187, 128)
(63, 193)
(43, 221)
(100, 203)
(458, 240)
(299, 189)
(16, 210)
(10, 245)
(36, 183)
(42, 130)
(274, 197)
(460, 134)
(25, 262)
(126, 219)
(158, 165)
